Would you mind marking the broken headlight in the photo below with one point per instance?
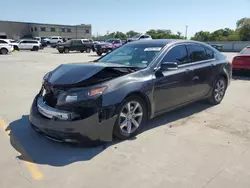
(73, 97)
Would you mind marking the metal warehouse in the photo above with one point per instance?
(17, 30)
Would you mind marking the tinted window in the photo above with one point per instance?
(197, 52)
(54, 38)
(3, 42)
(24, 42)
(32, 42)
(245, 51)
(43, 29)
(77, 42)
(210, 53)
(86, 31)
(177, 54)
(68, 30)
(35, 29)
(52, 29)
(63, 30)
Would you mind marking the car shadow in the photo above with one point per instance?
(35, 148)
(168, 118)
(241, 75)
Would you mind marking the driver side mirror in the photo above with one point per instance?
(169, 66)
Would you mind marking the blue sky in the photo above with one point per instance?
(125, 15)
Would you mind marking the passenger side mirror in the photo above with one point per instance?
(169, 66)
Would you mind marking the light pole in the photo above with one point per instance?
(186, 31)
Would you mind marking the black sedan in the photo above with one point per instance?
(118, 93)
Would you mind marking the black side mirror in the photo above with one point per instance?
(169, 66)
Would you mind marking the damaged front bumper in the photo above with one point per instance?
(59, 125)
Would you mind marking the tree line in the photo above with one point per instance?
(241, 33)
(154, 33)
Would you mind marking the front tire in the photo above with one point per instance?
(131, 118)
(16, 48)
(99, 53)
(218, 91)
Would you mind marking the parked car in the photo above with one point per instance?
(139, 37)
(5, 46)
(90, 41)
(46, 39)
(107, 46)
(217, 46)
(242, 60)
(74, 45)
(118, 93)
(14, 43)
(29, 44)
(55, 40)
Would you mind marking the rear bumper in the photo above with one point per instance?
(88, 130)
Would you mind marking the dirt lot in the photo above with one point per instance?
(197, 146)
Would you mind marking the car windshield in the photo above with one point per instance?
(245, 51)
(136, 55)
(109, 41)
(136, 36)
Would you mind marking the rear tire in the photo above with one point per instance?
(35, 48)
(125, 126)
(66, 50)
(88, 50)
(4, 51)
(218, 92)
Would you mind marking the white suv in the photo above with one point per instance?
(55, 39)
(27, 44)
(5, 46)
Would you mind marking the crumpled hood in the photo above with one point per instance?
(75, 73)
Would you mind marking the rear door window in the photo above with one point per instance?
(210, 54)
(177, 54)
(197, 52)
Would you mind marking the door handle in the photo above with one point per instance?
(195, 78)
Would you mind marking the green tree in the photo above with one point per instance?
(243, 27)
(131, 33)
(202, 36)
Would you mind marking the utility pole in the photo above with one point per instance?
(186, 31)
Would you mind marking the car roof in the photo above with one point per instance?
(164, 42)
(29, 40)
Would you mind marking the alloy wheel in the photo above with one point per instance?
(219, 90)
(130, 117)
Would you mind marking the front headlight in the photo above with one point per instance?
(84, 95)
(71, 98)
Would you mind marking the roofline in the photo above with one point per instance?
(47, 23)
